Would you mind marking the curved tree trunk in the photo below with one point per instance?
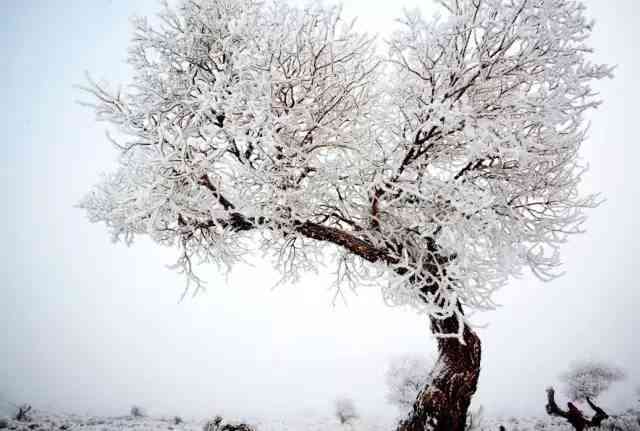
(442, 405)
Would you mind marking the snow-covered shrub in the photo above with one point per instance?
(177, 420)
(217, 424)
(137, 412)
(345, 410)
(406, 376)
(588, 379)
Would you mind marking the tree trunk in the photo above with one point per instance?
(442, 405)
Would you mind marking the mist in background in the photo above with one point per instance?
(92, 327)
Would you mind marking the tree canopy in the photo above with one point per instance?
(443, 161)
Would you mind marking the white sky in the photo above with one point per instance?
(88, 326)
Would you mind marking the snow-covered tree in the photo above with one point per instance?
(137, 412)
(447, 165)
(584, 381)
(588, 379)
(574, 415)
(345, 410)
(405, 377)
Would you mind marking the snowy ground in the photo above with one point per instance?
(143, 424)
(629, 421)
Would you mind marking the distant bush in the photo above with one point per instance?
(4, 423)
(177, 420)
(345, 410)
(137, 412)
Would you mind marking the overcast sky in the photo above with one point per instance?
(89, 326)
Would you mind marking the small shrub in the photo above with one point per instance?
(177, 420)
(216, 424)
(137, 412)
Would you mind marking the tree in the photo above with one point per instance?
(448, 165)
(585, 380)
(405, 377)
(588, 379)
(573, 415)
(345, 410)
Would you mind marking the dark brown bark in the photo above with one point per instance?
(573, 415)
(443, 404)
